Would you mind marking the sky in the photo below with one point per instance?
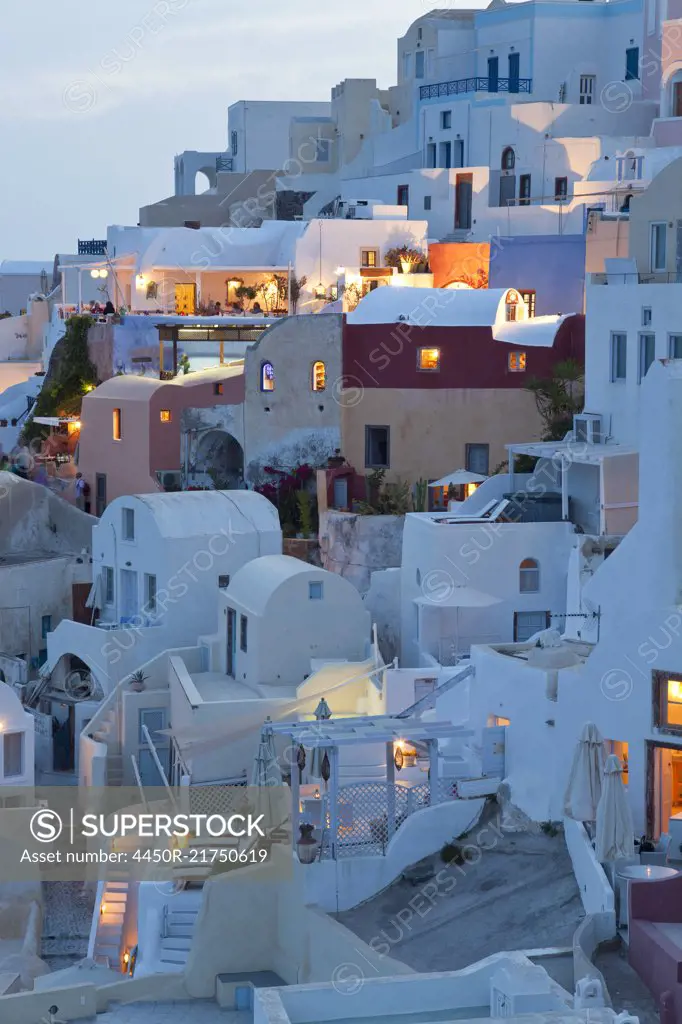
(96, 98)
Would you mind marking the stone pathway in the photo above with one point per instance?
(67, 908)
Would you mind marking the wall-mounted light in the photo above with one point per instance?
(102, 908)
(140, 280)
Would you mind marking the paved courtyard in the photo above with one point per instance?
(516, 893)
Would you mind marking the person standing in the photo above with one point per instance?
(80, 492)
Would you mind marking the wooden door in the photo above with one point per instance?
(186, 298)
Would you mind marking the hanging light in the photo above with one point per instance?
(320, 291)
(94, 273)
(104, 273)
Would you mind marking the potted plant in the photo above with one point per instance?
(336, 460)
(307, 845)
(138, 681)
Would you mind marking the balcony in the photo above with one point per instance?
(462, 85)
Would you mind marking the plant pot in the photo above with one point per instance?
(307, 845)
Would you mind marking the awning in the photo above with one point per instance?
(459, 477)
(457, 597)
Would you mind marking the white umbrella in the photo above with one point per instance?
(615, 828)
(318, 769)
(459, 477)
(267, 777)
(585, 781)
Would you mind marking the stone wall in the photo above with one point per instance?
(355, 546)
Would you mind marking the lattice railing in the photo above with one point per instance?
(217, 799)
(366, 823)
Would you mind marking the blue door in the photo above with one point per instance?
(493, 73)
(514, 72)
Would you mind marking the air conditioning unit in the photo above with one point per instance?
(588, 428)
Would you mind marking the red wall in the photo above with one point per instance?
(385, 356)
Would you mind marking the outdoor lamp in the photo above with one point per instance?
(320, 291)
(104, 273)
(94, 273)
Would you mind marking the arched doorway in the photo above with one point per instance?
(220, 457)
(508, 177)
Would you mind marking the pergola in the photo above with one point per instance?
(189, 332)
(331, 735)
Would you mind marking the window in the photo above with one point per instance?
(527, 624)
(431, 154)
(646, 316)
(427, 202)
(323, 150)
(403, 195)
(587, 89)
(154, 720)
(407, 66)
(659, 233)
(675, 346)
(420, 33)
(419, 64)
(319, 376)
(13, 754)
(632, 63)
(223, 582)
(647, 350)
(370, 257)
(165, 415)
(511, 305)
(377, 447)
(516, 362)
(667, 701)
(423, 689)
(478, 458)
(618, 356)
(560, 188)
(428, 359)
(529, 298)
(234, 142)
(243, 633)
(116, 425)
(446, 120)
(100, 493)
(45, 625)
(315, 591)
(149, 593)
(267, 377)
(128, 524)
(108, 584)
(508, 159)
(218, 389)
(529, 576)
(524, 190)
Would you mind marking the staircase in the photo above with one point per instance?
(177, 931)
(107, 733)
(109, 936)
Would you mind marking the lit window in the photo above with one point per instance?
(319, 376)
(529, 576)
(369, 257)
(218, 389)
(267, 377)
(529, 298)
(116, 431)
(165, 415)
(315, 591)
(428, 359)
(667, 694)
(517, 362)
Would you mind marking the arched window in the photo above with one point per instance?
(508, 159)
(319, 376)
(267, 377)
(529, 576)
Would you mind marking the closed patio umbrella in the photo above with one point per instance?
(585, 781)
(615, 828)
(318, 768)
(267, 777)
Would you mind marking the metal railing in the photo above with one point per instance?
(634, 277)
(462, 85)
(92, 246)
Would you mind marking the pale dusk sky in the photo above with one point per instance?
(96, 98)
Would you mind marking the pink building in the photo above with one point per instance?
(132, 427)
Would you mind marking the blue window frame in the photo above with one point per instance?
(315, 591)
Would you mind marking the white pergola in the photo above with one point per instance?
(332, 734)
(564, 454)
